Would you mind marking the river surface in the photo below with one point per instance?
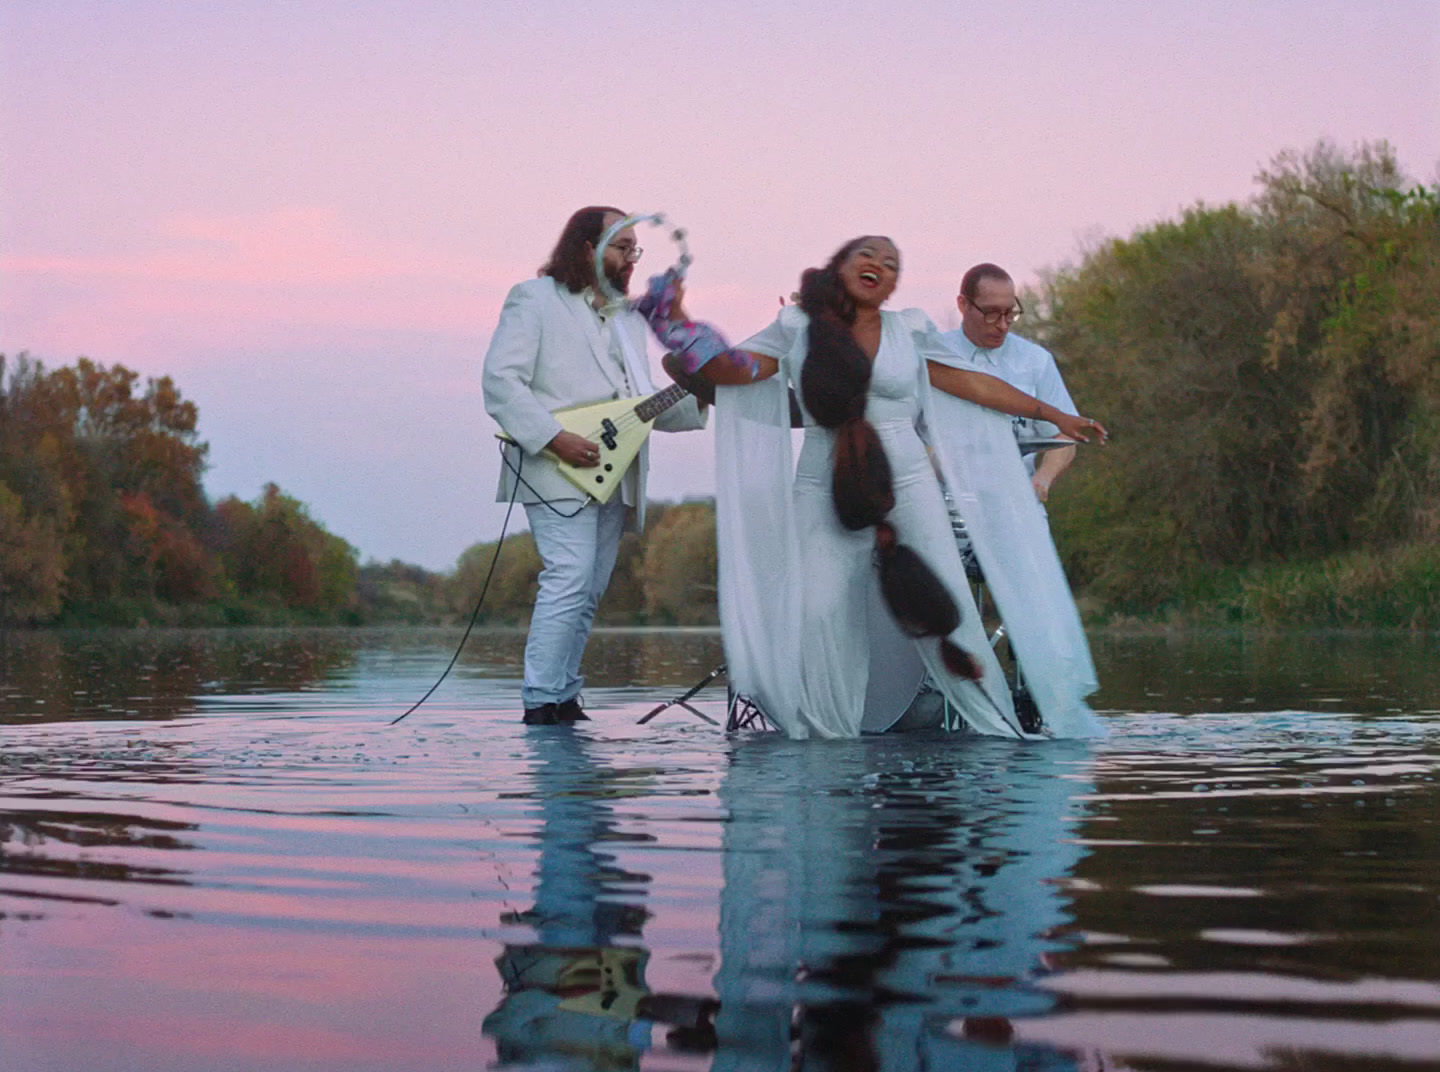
(217, 854)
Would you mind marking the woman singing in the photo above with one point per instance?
(800, 553)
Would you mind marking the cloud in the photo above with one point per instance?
(302, 273)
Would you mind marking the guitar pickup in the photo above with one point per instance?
(608, 432)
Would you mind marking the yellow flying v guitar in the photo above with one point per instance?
(620, 428)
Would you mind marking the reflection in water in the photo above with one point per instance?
(1356, 671)
(157, 674)
(37, 846)
(891, 908)
(884, 907)
(578, 991)
(51, 676)
(1245, 875)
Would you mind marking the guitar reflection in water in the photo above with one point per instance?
(891, 907)
(579, 990)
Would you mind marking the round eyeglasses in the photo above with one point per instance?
(994, 316)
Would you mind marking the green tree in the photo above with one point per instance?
(680, 566)
(512, 587)
(1271, 371)
(1164, 331)
(399, 591)
(272, 547)
(1354, 272)
(32, 565)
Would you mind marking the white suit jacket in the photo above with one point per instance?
(548, 354)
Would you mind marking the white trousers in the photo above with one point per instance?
(579, 554)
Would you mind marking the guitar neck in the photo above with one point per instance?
(659, 402)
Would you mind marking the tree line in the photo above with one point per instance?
(104, 518)
(104, 521)
(1271, 370)
(664, 576)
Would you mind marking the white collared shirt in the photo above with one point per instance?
(1024, 365)
(605, 325)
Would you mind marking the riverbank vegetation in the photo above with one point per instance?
(1272, 373)
(665, 576)
(1270, 369)
(104, 520)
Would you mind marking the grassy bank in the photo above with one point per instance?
(1396, 588)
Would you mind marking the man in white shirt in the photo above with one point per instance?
(560, 344)
(988, 310)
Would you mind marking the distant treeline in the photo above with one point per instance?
(667, 576)
(104, 521)
(1271, 372)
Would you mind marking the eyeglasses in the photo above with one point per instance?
(628, 250)
(994, 316)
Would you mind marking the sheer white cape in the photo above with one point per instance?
(760, 600)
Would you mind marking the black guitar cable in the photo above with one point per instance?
(485, 587)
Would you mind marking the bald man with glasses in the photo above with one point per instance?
(988, 310)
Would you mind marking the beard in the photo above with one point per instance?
(620, 276)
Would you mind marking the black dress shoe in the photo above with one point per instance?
(547, 714)
(569, 711)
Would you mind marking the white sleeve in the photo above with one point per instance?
(509, 370)
(1011, 537)
(932, 345)
(777, 339)
(760, 594)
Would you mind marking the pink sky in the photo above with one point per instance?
(308, 211)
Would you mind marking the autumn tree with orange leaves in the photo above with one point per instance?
(103, 515)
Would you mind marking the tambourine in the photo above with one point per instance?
(677, 235)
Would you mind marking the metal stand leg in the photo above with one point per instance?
(741, 712)
(1026, 712)
(744, 714)
(683, 699)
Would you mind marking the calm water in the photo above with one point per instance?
(215, 854)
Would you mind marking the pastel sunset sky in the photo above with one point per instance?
(308, 212)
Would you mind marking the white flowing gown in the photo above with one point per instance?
(795, 584)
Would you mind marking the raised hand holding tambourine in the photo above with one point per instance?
(676, 273)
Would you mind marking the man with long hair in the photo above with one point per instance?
(560, 344)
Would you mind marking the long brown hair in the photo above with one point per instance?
(835, 383)
(571, 262)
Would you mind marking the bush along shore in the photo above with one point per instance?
(1271, 371)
